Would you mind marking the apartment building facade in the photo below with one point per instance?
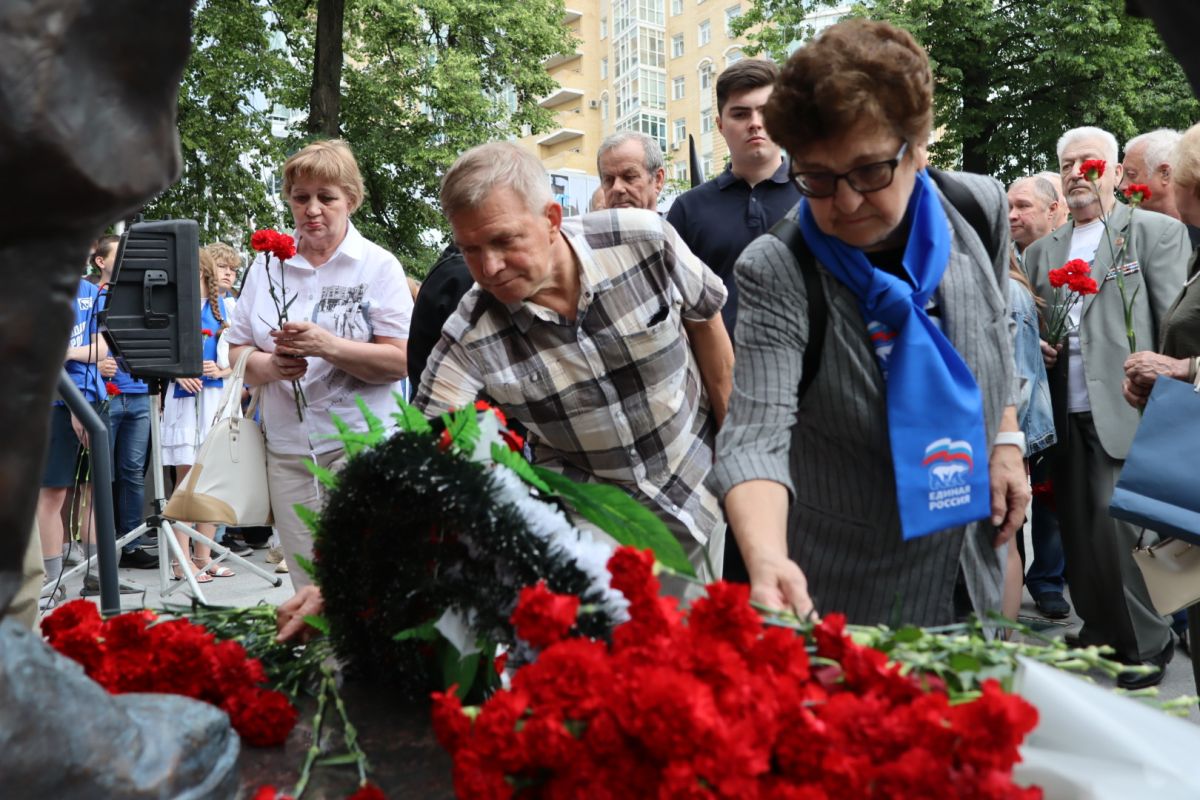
(644, 65)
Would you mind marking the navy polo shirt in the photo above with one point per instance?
(720, 217)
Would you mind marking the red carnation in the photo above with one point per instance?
(483, 405)
(262, 717)
(284, 246)
(1093, 169)
(1059, 277)
(206, 332)
(513, 440)
(270, 793)
(77, 614)
(543, 617)
(1077, 266)
(1083, 284)
(368, 791)
(1137, 193)
(633, 574)
(112, 389)
(263, 240)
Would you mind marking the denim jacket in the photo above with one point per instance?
(1033, 407)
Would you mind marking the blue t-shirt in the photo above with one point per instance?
(86, 375)
(124, 381)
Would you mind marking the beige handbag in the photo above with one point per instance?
(228, 482)
(1171, 569)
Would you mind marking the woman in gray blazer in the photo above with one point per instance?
(885, 491)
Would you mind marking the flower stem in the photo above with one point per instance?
(349, 732)
(314, 749)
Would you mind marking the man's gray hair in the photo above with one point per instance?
(1158, 143)
(1042, 189)
(488, 167)
(1055, 181)
(653, 159)
(1089, 132)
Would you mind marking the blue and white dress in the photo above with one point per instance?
(187, 418)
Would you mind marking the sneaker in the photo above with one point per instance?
(137, 558)
(72, 554)
(1052, 605)
(281, 567)
(275, 555)
(91, 587)
(238, 548)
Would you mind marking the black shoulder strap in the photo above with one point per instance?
(788, 232)
(961, 198)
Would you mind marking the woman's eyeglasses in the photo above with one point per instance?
(867, 178)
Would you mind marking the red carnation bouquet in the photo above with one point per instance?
(136, 652)
(718, 705)
(1070, 282)
(282, 246)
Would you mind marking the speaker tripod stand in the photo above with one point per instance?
(169, 548)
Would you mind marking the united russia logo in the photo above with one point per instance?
(949, 461)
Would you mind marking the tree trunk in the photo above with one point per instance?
(325, 99)
(975, 90)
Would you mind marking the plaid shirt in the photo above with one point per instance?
(616, 395)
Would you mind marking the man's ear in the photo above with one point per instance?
(554, 215)
(660, 177)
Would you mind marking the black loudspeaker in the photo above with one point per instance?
(151, 318)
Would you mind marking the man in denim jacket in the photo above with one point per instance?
(1033, 207)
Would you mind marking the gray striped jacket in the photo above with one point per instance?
(834, 456)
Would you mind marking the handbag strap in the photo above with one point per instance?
(231, 398)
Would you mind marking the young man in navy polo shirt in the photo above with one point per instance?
(720, 217)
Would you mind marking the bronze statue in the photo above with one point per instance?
(87, 135)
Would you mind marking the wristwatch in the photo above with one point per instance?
(1010, 437)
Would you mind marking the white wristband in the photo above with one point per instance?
(1011, 437)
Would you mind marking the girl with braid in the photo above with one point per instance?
(191, 403)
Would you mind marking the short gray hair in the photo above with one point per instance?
(488, 167)
(1055, 181)
(653, 159)
(1042, 188)
(1158, 143)
(1089, 132)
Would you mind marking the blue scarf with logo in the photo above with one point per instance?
(934, 406)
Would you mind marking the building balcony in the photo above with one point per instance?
(559, 136)
(556, 61)
(559, 97)
(570, 15)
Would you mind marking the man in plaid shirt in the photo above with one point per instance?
(602, 334)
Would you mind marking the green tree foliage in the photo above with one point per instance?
(226, 144)
(422, 81)
(1013, 76)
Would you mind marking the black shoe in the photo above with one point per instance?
(137, 558)
(237, 548)
(1134, 681)
(91, 587)
(1051, 605)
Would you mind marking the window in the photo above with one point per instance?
(677, 45)
(652, 90)
(706, 123)
(676, 7)
(677, 87)
(654, 127)
(680, 170)
(604, 69)
(679, 134)
(731, 13)
(705, 33)
(652, 50)
(603, 27)
(705, 80)
(604, 107)
(733, 56)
